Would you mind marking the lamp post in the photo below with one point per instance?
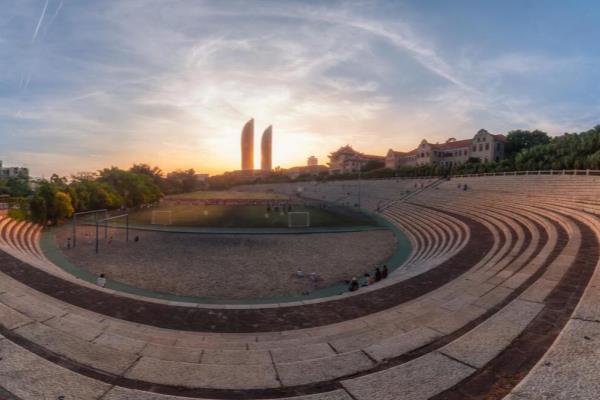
(359, 183)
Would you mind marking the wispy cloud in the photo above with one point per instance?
(56, 11)
(173, 83)
(39, 23)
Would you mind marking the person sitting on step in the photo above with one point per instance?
(377, 274)
(101, 281)
(353, 284)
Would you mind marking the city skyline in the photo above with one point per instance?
(88, 85)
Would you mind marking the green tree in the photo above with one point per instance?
(181, 181)
(155, 173)
(135, 189)
(50, 203)
(63, 207)
(15, 187)
(372, 165)
(518, 140)
(38, 210)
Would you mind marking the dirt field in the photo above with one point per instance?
(230, 266)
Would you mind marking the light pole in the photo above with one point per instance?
(359, 183)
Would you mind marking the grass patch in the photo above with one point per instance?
(227, 195)
(18, 214)
(234, 216)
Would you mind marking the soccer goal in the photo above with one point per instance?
(88, 218)
(111, 231)
(298, 219)
(162, 218)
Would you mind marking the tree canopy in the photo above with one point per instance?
(518, 140)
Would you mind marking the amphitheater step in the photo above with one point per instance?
(415, 380)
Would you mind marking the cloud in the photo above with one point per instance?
(172, 83)
(40, 20)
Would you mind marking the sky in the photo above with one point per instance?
(90, 84)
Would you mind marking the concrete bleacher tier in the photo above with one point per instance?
(498, 299)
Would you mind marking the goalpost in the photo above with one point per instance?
(93, 213)
(105, 223)
(162, 218)
(298, 219)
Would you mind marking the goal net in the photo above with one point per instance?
(162, 218)
(298, 219)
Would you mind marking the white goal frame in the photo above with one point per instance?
(155, 212)
(292, 225)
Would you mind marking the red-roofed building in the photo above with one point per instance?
(347, 160)
(484, 146)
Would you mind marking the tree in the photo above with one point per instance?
(63, 206)
(50, 204)
(372, 165)
(570, 151)
(154, 173)
(91, 194)
(38, 210)
(181, 181)
(518, 140)
(15, 187)
(135, 189)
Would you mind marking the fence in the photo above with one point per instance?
(581, 172)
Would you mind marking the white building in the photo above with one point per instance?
(483, 146)
(312, 161)
(13, 172)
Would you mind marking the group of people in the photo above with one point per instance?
(313, 276)
(282, 207)
(380, 273)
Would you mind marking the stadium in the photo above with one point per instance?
(299, 200)
(494, 296)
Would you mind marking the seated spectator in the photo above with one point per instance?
(101, 281)
(354, 284)
(299, 273)
(367, 281)
(377, 274)
(314, 276)
(384, 273)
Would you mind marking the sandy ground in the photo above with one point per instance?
(230, 266)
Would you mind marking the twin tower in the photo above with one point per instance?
(266, 145)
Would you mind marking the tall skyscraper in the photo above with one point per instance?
(248, 146)
(266, 149)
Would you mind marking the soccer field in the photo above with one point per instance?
(226, 195)
(246, 216)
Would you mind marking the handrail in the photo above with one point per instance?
(579, 172)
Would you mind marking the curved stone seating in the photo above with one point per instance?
(448, 241)
(53, 333)
(437, 345)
